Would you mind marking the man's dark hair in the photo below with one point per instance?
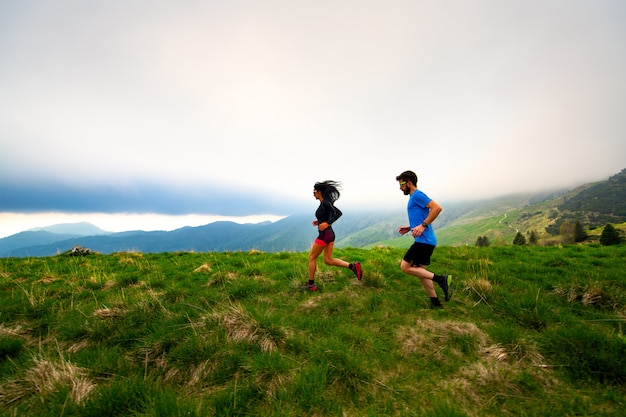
(408, 176)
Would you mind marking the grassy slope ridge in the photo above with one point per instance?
(530, 331)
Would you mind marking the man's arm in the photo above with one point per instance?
(435, 209)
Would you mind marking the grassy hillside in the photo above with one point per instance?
(499, 219)
(593, 205)
(543, 218)
(601, 202)
(461, 224)
(530, 331)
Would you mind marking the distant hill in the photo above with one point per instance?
(459, 224)
(20, 243)
(293, 234)
(42, 236)
(75, 229)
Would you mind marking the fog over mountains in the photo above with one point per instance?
(592, 204)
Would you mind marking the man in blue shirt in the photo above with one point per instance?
(422, 212)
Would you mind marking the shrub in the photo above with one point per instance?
(610, 236)
(580, 235)
(519, 239)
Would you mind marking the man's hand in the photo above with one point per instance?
(403, 230)
(418, 230)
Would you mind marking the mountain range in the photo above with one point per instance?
(499, 219)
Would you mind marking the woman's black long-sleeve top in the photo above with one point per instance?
(327, 212)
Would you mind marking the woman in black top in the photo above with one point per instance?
(327, 193)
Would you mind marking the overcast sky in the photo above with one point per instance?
(236, 108)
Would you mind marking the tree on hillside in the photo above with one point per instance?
(580, 235)
(482, 241)
(519, 239)
(610, 236)
(567, 232)
(532, 238)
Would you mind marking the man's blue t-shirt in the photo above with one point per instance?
(417, 214)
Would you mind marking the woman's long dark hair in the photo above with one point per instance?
(329, 190)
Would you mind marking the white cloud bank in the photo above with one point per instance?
(480, 98)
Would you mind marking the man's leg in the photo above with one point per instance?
(425, 276)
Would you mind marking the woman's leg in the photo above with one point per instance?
(315, 252)
(328, 257)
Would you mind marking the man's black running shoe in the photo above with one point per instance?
(446, 286)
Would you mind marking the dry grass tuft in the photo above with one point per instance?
(571, 293)
(479, 288)
(108, 313)
(240, 326)
(590, 294)
(79, 346)
(109, 284)
(138, 284)
(12, 331)
(490, 373)
(315, 301)
(128, 258)
(47, 279)
(203, 268)
(428, 336)
(525, 352)
(495, 372)
(222, 278)
(310, 303)
(496, 352)
(194, 378)
(593, 295)
(46, 377)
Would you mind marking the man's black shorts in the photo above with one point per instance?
(419, 254)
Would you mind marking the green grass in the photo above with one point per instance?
(501, 229)
(530, 331)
